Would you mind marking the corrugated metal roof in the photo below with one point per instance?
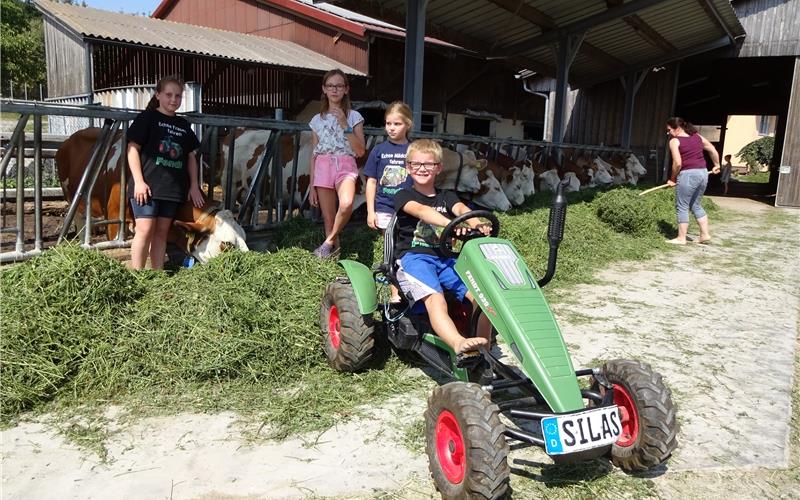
(688, 25)
(150, 32)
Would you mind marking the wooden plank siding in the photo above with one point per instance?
(255, 18)
(595, 114)
(772, 26)
(788, 191)
(66, 62)
(229, 88)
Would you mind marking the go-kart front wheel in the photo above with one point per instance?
(465, 442)
(347, 335)
(647, 414)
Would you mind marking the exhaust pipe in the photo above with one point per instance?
(555, 231)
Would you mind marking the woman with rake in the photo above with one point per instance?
(690, 176)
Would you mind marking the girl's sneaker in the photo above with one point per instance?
(324, 251)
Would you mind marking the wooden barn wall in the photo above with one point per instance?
(788, 193)
(595, 114)
(244, 16)
(772, 26)
(229, 88)
(66, 62)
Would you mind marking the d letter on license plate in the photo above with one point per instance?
(581, 431)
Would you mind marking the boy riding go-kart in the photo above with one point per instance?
(627, 412)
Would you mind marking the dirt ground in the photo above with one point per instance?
(719, 321)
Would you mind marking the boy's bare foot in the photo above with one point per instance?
(470, 344)
(676, 241)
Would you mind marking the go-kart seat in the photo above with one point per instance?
(389, 265)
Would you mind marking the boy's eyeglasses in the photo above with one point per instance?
(332, 86)
(416, 166)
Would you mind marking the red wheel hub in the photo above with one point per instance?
(334, 327)
(450, 447)
(628, 415)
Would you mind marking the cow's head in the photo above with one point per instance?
(572, 181)
(527, 176)
(211, 234)
(548, 180)
(512, 186)
(491, 193)
(468, 182)
(634, 166)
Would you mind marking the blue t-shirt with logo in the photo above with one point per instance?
(387, 164)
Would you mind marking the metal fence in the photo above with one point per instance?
(260, 198)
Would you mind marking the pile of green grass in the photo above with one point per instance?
(241, 333)
(626, 212)
(55, 308)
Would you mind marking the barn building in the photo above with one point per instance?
(251, 58)
(702, 59)
(587, 71)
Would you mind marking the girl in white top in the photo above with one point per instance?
(337, 140)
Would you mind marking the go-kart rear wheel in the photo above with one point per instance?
(347, 335)
(649, 427)
(467, 450)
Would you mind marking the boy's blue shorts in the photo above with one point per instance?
(422, 274)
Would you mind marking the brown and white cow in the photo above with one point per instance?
(249, 151)
(511, 181)
(203, 233)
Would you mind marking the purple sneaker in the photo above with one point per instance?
(324, 251)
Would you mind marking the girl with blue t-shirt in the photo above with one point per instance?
(386, 166)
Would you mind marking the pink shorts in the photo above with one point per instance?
(331, 170)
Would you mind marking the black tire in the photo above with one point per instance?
(650, 428)
(347, 335)
(467, 450)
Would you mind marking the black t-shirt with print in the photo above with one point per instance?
(414, 235)
(166, 142)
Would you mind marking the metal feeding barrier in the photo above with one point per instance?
(263, 193)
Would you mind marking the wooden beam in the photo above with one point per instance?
(646, 32)
(373, 8)
(527, 12)
(712, 13)
(546, 23)
(579, 26)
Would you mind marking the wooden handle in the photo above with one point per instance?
(653, 189)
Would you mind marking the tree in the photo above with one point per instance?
(758, 152)
(22, 58)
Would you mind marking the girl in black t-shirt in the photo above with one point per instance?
(163, 167)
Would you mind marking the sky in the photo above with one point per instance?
(130, 6)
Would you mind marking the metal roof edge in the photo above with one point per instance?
(316, 14)
(162, 8)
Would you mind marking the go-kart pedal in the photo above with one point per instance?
(469, 359)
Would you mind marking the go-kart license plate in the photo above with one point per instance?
(581, 431)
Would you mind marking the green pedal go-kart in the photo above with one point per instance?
(626, 413)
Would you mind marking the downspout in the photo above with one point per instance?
(546, 96)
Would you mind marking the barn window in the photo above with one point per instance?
(430, 122)
(373, 117)
(476, 126)
(533, 131)
(766, 125)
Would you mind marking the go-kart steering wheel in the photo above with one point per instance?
(446, 248)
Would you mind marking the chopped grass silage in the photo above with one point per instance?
(242, 331)
(55, 308)
(589, 244)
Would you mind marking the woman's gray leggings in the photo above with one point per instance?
(689, 192)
